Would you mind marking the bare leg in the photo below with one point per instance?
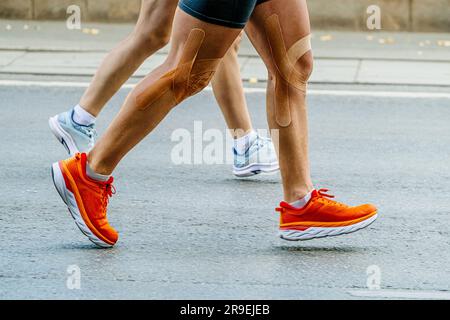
(143, 108)
(152, 32)
(229, 93)
(293, 138)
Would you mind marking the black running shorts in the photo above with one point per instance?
(228, 13)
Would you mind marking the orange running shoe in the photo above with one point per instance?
(87, 199)
(323, 217)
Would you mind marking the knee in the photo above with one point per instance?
(152, 39)
(298, 72)
(161, 35)
(305, 66)
(173, 84)
(196, 83)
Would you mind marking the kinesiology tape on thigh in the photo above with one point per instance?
(189, 77)
(287, 77)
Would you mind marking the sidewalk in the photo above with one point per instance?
(49, 48)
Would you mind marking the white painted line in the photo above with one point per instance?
(382, 94)
(314, 92)
(402, 294)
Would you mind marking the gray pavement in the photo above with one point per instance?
(197, 232)
(49, 48)
(378, 134)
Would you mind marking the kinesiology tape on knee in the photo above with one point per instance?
(189, 77)
(287, 77)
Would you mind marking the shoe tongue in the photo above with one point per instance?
(87, 129)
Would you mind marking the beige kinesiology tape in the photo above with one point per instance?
(287, 77)
(189, 77)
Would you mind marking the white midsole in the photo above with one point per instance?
(69, 199)
(255, 168)
(320, 232)
(62, 135)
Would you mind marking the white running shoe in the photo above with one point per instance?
(259, 157)
(73, 136)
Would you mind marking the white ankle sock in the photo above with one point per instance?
(94, 175)
(301, 202)
(241, 144)
(82, 117)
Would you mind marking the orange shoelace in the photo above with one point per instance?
(325, 197)
(323, 193)
(108, 191)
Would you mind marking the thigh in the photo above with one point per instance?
(194, 49)
(211, 47)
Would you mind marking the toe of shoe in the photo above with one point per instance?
(366, 210)
(110, 234)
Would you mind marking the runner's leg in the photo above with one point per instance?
(149, 102)
(75, 128)
(293, 138)
(151, 33)
(280, 32)
(229, 93)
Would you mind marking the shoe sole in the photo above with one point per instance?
(321, 232)
(69, 199)
(254, 169)
(63, 136)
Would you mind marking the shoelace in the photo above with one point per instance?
(262, 141)
(258, 144)
(325, 196)
(92, 134)
(108, 191)
(323, 193)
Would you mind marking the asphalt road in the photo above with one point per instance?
(196, 232)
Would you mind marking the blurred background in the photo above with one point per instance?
(398, 15)
(402, 42)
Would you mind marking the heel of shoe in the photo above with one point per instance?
(58, 181)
